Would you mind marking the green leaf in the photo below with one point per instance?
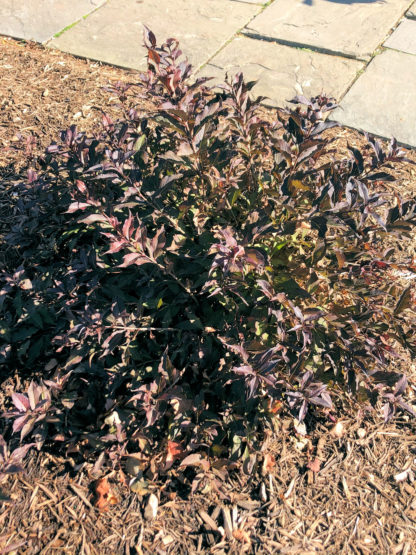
(139, 143)
(292, 289)
(23, 333)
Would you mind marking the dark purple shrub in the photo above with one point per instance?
(180, 274)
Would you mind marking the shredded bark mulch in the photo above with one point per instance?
(325, 488)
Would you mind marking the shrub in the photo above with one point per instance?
(178, 280)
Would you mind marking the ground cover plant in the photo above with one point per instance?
(178, 281)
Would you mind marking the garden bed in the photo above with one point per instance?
(354, 500)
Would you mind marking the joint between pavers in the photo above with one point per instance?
(72, 25)
(303, 46)
(379, 50)
(399, 51)
(259, 3)
(262, 7)
(228, 41)
(360, 72)
(394, 27)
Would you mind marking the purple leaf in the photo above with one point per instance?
(134, 258)
(33, 394)
(20, 422)
(13, 468)
(148, 37)
(21, 402)
(93, 218)
(74, 206)
(20, 453)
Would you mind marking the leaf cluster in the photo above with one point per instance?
(181, 275)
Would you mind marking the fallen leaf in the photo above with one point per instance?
(140, 487)
(104, 496)
(249, 464)
(341, 259)
(314, 465)
(268, 464)
(196, 460)
(135, 465)
(174, 452)
(297, 184)
(122, 478)
(218, 450)
(275, 406)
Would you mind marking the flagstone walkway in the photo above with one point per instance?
(363, 52)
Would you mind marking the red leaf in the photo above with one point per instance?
(268, 464)
(314, 465)
(174, 452)
(153, 55)
(104, 496)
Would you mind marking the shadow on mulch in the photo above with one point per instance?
(361, 501)
(354, 504)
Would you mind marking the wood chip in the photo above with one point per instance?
(81, 496)
(228, 525)
(211, 524)
(152, 506)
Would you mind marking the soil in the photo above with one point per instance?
(348, 489)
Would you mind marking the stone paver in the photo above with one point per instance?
(355, 29)
(411, 13)
(404, 37)
(40, 20)
(283, 72)
(261, 2)
(383, 100)
(288, 46)
(114, 34)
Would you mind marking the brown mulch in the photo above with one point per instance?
(358, 495)
(354, 504)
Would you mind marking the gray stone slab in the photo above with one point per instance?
(40, 20)
(353, 29)
(383, 100)
(283, 72)
(260, 2)
(411, 12)
(404, 37)
(114, 34)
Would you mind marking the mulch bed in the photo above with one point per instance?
(349, 490)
